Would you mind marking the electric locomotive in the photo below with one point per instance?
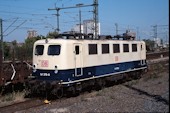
(72, 63)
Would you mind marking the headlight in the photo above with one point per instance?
(34, 68)
(56, 70)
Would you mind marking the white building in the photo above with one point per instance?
(87, 27)
(76, 28)
(31, 33)
(157, 42)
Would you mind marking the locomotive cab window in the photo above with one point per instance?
(54, 49)
(134, 47)
(125, 47)
(39, 50)
(105, 48)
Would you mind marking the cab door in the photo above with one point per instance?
(78, 60)
(142, 61)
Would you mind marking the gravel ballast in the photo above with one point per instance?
(148, 94)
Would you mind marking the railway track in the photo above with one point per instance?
(28, 104)
(154, 55)
(31, 103)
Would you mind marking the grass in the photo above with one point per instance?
(133, 82)
(155, 70)
(12, 97)
(8, 97)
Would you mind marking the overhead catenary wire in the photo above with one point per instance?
(30, 21)
(58, 9)
(16, 28)
(24, 13)
(31, 24)
(10, 25)
(44, 16)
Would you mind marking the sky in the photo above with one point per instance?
(138, 16)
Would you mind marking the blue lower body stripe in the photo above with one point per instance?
(88, 72)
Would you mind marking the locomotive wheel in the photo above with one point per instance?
(60, 93)
(78, 88)
(73, 92)
(103, 83)
(100, 83)
(139, 74)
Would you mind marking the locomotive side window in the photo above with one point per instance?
(134, 47)
(125, 47)
(54, 49)
(92, 49)
(77, 50)
(116, 48)
(39, 50)
(105, 48)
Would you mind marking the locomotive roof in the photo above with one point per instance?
(82, 41)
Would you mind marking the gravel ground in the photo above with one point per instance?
(148, 94)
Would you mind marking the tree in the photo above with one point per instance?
(28, 45)
(52, 34)
(7, 54)
(149, 44)
(161, 42)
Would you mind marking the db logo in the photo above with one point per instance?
(116, 58)
(44, 63)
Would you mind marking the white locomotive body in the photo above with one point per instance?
(70, 61)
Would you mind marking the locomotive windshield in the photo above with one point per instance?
(39, 50)
(54, 50)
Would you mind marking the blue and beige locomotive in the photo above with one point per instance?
(72, 63)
